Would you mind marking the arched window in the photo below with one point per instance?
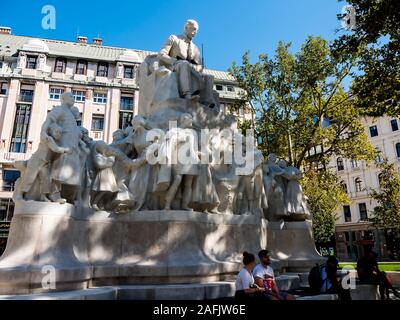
(340, 165)
(344, 186)
(358, 184)
(398, 149)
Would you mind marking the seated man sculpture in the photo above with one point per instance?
(179, 54)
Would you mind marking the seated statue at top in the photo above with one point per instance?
(181, 55)
(176, 72)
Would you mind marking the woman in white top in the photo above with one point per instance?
(245, 286)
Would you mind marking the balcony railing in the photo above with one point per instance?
(7, 187)
(25, 98)
(13, 156)
(126, 106)
(97, 135)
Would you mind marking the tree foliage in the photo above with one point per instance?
(300, 103)
(387, 213)
(324, 194)
(375, 45)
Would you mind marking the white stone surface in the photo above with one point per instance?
(292, 242)
(115, 233)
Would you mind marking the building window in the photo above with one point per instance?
(31, 62)
(9, 178)
(362, 207)
(3, 88)
(230, 88)
(347, 213)
(97, 122)
(81, 67)
(344, 186)
(398, 149)
(219, 87)
(128, 72)
(99, 97)
(102, 69)
(125, 119)
(21, 127)
(79, 95)
(358, 184)
(6, 211)
(340, 165)
(79, 120)
(26, 95)
(373, 131)
(394, 124)
(60, 65)
(378, 158)
(126, 111)
(354, 163)
(126, 103)
(55, 93)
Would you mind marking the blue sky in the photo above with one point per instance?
(227, 27)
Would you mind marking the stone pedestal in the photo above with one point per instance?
(43, 236)
(169, 246)
(146, 247)
(292, 243)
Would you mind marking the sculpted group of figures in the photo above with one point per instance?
(150, 165)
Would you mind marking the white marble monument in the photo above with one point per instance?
(168, 201)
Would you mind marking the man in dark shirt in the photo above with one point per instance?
(368, 272)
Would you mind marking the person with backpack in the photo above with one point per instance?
(368, 272)
(324, 279)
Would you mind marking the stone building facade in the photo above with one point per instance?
(354, 234)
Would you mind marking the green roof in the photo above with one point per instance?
(10, 44)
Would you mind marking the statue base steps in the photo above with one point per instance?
(195, 291)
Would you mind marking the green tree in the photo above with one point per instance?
(324, 194)
(374, 43)
(300, 106)
(300, 103)
(387, 214)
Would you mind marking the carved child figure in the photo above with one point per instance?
(104, 182)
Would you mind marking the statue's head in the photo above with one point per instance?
(282, 164)
(138, 121)
(118, 135)
(185, 120)
(191, 28)
(55, 131)
(102, 147)
(67, 99)
(85, 135)
(272, 157)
